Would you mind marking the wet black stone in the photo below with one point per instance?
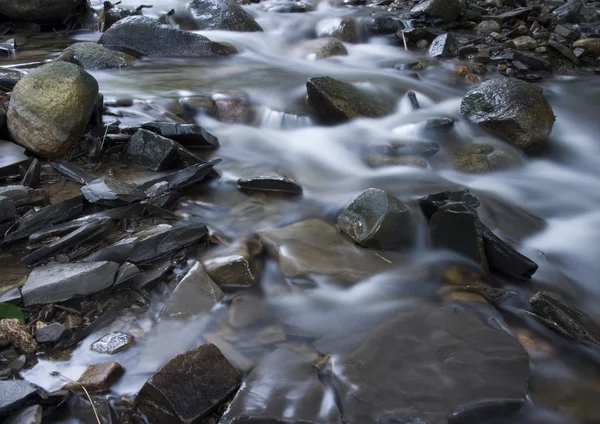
(11, 157)
(287, 377)
(432, 202)
(50, 333)
(84, 413)
(447, 10)
(425, 364)
(511, 14)
(383, 25)
(190, 175)
(151, 150)
(152, 274)
(152, 243)
(444, 46)
(85, 233)
(127, 272)
(226, 15)
(74, 172)
(564, 50)
(564, 318)
(569, 12)
(111, 192)
(533, 62)
(269, 180)
(147, 37)
(188, 387)
(30, 415)
(59, 282)
(14, 394)
(479, 412)
(8, 210)
(337, 100)
(189, 135)
(378, 219)
(503, 259)
(32, 175)
(454, 226)
(415, 34)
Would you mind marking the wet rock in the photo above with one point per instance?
(111, 192)
(525, 42)
(8, 209)
(32, 176)
(83, 412)
(447, 10)
(196, 294)
(322, 48)
(98, 378)
(233, 108)
(377, 161)
(93, 56)
(113, 343)
(485, 28)
(268, 180)
(191, 175)
(482, 157)
(565, 318)
(50, 333)
(50, 107)
(454, 226)
(564, 50)
(18, 335)
(286, 375)
(73, 171)
(151, 150)
(14, 394)
(569, 12)
(11, 157)
(111, 14)
(246, 310)
(14, 192)
(235, 267)
(225, 15)
(337, 100)
(515, 109)
(147, 37)
(566, 32)
(152, 274)
(59, 282)
(9, 78)
(188, 387)
(342, 29)
(382, 25)
(127, 272)
(477, 412)
(378, 219)
(152, 243)
(315, 247)
(189, 135)
(443, 359)
(444, 46)
(503, 259)
(30, 415)
(590, 45)
(34, 11)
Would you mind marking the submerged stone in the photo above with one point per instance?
(269, 180)
(225, 15)
(188, 387)
(503, 259)
(235, 267)
(288, 378)
(189, 135)
(113, 343)
(378, 219)
(14, 394)
(59, 282)
(477, 412)
(151, 150)
(338, 100)
(322, 48)
(50, 333)
(343, 29)
(32, 176)
(196, 294)
(111, 192)
(432, 202)
(147, 37)
(423, 365)
(98, 378)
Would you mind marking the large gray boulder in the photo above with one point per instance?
(144, 36)
(512, 108)
(94, 56)
(39, 10)
(50, 108)
(225, 15)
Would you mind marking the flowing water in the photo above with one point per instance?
(548, 206)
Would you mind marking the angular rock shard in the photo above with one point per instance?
(14, 394)
(151, 150)
(98, 378)
(189, 135)
(111, 192)
(237, 266)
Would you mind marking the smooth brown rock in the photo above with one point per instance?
(98, 378)
(238, 266)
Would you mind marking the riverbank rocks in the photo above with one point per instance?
(225, 15)
(50, 107)
(342, 29)
(512, 108)
(378, 219)
(441, 360)
(485, 28)
(40, 11)
(151, 150)
(188, 387)
(144, 36)
(94, 56)
(339, 101)
(590, 45)
(447, 10)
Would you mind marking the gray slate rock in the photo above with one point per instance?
(147, 37)
(447, 10)
(50, 215)
(185, 177)
(127, 272)
(50, 107)
(268, 180)
(8, 209)
(512, 108)
(94, 56)
(444, 46)
(50, 333)
(113, 343)
(30, 415)
(188, 387)
(196, 294)
(189, 135)
(337, 100)
(287, 377)
(11, 155)
(378, 219)
(225, 15)
(425, 364)
(151, 150)
(15, 393)
(60, 282)
(14, 192)
(111, 192)
(40, 11)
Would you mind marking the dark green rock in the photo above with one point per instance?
(147, 37)
(378, 219)
(188, 387)
(225, 15)
(512, 108)
(338, 101)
